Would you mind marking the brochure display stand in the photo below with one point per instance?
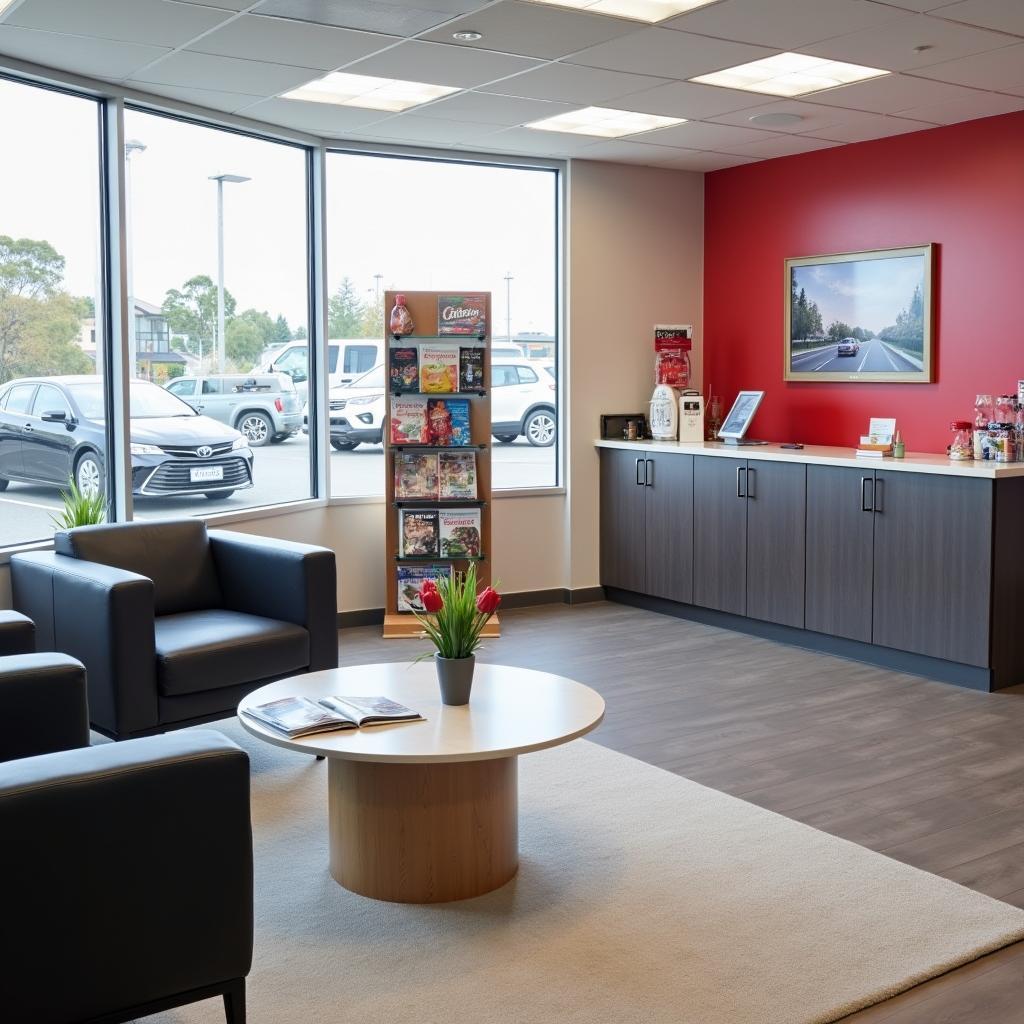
(437, 446)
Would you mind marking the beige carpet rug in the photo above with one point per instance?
(641, 897)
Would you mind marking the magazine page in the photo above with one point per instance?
(416, 475)
(439, 369)
(410, 578)
(460, 532)
(447, 421)
(409, 420)
(457, 472)
(377, 710)
(420, 537)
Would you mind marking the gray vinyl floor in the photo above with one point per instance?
(930, 774)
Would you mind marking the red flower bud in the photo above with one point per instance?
(428, 585)
(431, 600)
(488, 601)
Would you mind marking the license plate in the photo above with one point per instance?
(206, 473)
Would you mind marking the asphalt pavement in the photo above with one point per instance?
(874, 357)
(281, 473)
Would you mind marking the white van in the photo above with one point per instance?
(347, 358)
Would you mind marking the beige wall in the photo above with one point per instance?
(634, 259)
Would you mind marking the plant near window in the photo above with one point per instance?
(79, 509)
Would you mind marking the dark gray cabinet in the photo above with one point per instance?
(720, 534)
(646, 525)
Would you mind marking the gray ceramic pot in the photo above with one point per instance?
(455, 676)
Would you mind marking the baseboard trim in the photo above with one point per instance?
(362, 617)
(969, 676)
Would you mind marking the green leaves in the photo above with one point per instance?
(79, 509)
(455, 630)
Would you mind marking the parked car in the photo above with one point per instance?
(356, 411)
(53, 429)
(265, 407)
(523, 402)
(347, 359)
(848, 347)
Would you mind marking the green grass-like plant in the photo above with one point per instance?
(455, 627)
(79, 509)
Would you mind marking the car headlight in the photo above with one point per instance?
(145, 449)
(368, 400)
(239, 442)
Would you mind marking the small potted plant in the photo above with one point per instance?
(79, 509)
(457, 616)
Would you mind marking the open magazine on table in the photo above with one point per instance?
(303, 716)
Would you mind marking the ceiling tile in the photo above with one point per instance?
(441, 65)
(1001, 71)
(530, 142)
(622, 151)
(152, 22)
(786, 145)
(688, 160)
(488, 108)
(891, 46)
(812, 116)
(981, 104)
(892, 93)
(879, 127)
(321, 118)
(99, 58)
(227, 5)
(396, 18)
(534, 29)
(701, 135)
(229, 101)
(1002, 15)
(412, 128)
(914, 5)
(669, 54)
(692, 100)
(291, 42)
(567, 83)
(224, 74)
(785, 24)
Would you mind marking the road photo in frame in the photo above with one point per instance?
(860, 316)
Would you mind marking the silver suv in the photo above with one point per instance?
(265, 407)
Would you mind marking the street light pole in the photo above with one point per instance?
(130, 146)
(221, 345)
(508, 304)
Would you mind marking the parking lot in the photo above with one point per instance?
(281, 474)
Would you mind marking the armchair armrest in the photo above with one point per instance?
(102, 616)
(43, 705)
(17, 633)
(129, 871)
(282, 580)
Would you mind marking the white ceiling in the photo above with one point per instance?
(953, 60)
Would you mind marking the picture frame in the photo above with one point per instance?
(874, 306)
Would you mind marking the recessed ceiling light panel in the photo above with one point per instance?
(369, 93)
(604, 122)
(776, 120)
(651, 11)
(790, 74)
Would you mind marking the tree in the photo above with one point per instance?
(372, 325)
(243, 343)
(29, 268)
(345, 312)
(837, 330)
(300, 334)
(193, 311)
(282, 332)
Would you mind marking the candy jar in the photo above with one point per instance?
(401, 318)
(962, 446)
(982, 417)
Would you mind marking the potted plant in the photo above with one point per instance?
(79, 509)
(457, 616)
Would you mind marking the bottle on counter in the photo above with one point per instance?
(962, 446)
(982, 417)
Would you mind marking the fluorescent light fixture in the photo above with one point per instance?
(5, 5)
(391, 94)
(604, 122)
(651, 11)
(790, 74)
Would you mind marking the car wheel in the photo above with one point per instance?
(278, 438)
(89, 475)
(344, 446)
(3, 484)
(539, 428)
(214, 495)
(506, 438)
(257, 428)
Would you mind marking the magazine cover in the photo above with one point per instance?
(462, 314)
(403, 370)
(420, 534)
(448, 421)
(439, 369)
(471, 369)
(457, 474)
(409, 579)
(460, 532)
(409, 420)
(416, 475)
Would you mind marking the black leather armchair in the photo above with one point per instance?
(174, 624)
(17, 633)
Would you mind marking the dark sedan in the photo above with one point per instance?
(52, 429)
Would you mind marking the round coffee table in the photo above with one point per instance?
(427, 812)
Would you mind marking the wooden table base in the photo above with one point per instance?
(423, 833)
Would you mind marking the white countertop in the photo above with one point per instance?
(818, 455)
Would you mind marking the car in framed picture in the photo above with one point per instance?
(860, 316)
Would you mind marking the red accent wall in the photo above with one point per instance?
(961, 187)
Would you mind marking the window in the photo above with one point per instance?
(503, 376)
(421, 224)
(49, 303)
(198, 198)
(360, 358)
(182, 388)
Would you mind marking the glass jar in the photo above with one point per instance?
(982, 417)
(962, 446)
(1005, 409)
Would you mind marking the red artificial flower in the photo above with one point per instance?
(428, 585)
(488, 601)
(431, 600)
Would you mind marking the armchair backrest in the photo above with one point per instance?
(174, 554)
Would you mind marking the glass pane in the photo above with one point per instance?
(430, 225)
(219, 282)
(49, 299)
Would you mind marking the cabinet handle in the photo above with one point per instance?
(639, 478)
(865, 505)
(649, 473)
(876, 497)
(751, 480)
(741, 481)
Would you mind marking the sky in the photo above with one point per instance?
(420, 225)
(868, 293)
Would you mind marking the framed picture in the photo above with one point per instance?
(860, 316)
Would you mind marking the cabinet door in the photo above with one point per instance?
(669, 518)
(933, 565)
(719, 534)
(776, 509)
(840, 540)
(622, 519)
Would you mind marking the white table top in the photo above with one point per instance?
(511, 711)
